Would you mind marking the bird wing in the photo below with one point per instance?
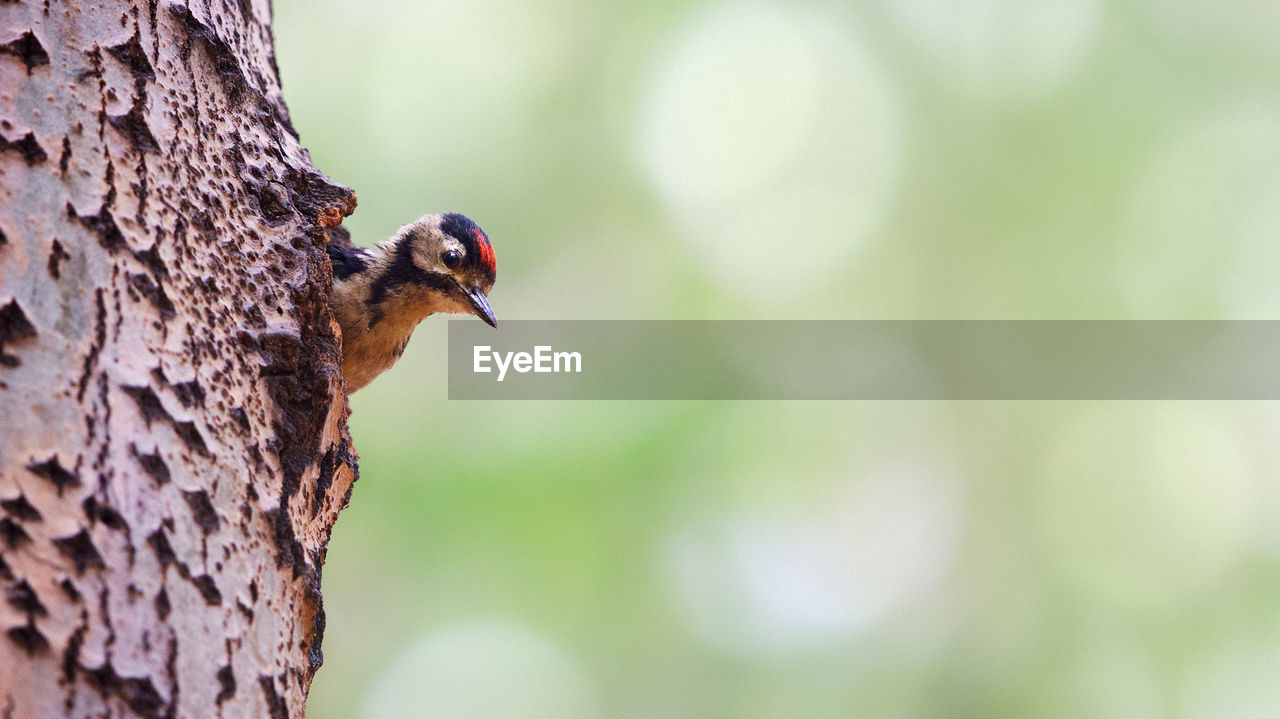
(347, 261)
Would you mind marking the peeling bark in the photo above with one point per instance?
(173, 441)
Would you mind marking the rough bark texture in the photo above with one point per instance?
(173, 444)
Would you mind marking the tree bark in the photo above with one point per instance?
(173, 442)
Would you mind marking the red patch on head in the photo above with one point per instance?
(487, 257)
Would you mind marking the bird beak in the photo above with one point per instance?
(480, 305)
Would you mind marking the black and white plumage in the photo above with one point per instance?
(439, 263)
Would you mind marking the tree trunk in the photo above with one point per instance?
(173, 442)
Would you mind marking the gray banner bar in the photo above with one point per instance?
(871, 359)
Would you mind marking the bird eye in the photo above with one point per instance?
(451, 259)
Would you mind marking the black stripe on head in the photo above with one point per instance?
(459, 227)
(476, 242)
(400, 272)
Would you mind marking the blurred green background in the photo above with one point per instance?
(875, 159)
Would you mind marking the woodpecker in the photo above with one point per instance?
(439, 263)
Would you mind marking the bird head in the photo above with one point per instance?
(454, 257)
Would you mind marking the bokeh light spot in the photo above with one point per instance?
(1145, 506)
(772, 137)
(481, 671)
(1000, 49)
(1198, 239)
(845, 551)
(1238, 681)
